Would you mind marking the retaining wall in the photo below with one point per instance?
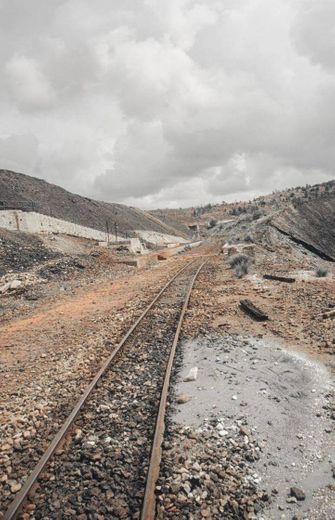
(31, 222)
(159, 239)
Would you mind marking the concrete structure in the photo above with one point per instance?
(133, 245)
(194, 227)
(231, 250)
(249, 250)
(159, 239)
(192, 245)
(31, 222)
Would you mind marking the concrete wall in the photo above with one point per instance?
(133, 245)
(159, 239)
(195, 244)
(31, 222)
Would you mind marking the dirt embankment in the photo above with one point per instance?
(312, 224)
(18, 191)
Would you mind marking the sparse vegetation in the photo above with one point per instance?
(321, 272)
(256, 215)
(212, 223)
(248, 238)
(240, 263)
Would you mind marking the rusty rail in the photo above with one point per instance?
(149, 502)
(19, 500)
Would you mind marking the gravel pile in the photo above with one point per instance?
(18, 283)
(207, 473)
(62, 269)
(20, 251)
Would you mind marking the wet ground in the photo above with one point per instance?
(287, 401)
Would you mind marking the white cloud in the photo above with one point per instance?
(26, 159)
(28, 87)
(162, 103)
(314, 32)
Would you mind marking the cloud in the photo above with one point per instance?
(314, 32)
(26, 159)
(28, 87)
(169, 103)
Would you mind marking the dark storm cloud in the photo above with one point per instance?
(168, 103)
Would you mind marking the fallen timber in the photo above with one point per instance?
(328, 314)
(253, 311)
(278, 278)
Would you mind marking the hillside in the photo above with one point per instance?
(19, 191)
(305, 214)
(312, 224)
(261, 206)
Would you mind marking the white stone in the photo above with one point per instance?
(192, 375)
(15, 284)
(4, 288)
(223, 433)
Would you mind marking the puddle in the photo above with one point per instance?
(285, 396)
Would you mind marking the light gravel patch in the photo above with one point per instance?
(285, 397)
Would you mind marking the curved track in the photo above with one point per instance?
(101, 469)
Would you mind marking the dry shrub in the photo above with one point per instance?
(240, 263)
(321, 272)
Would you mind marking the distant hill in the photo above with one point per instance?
(19, 191)
(306, 214)
(265, 205)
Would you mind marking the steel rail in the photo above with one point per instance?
(16, 505)
(149, 502)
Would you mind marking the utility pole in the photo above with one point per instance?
(116, 230)
(107, 231)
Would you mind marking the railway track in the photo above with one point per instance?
(104, 461)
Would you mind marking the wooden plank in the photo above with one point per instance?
(328, 314)
(278, 278)
(251, 309)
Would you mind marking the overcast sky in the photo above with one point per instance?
(168, 102)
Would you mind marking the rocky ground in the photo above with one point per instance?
(20, 252)
(249, 436)
(251, 423)
(52, 347)
(100, 472)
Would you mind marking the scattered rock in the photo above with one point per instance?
(183, 398)
(15, 284)
(192, 375)
(15, 486)
(298, 493)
